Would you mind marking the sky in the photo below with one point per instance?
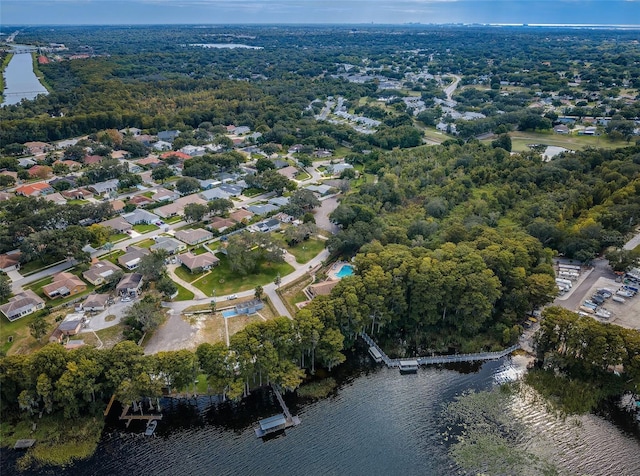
(100, 12)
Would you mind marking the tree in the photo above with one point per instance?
(258, 293)
(263, 164)
(195, 211)
(5, 287)
(166, 286)
(503, 141)
(161, 173)
(305, 199)
(278, 280)
(38, 327)
(143, 316)
(152, 266)
(187, 185)
(246, 251)
(219, 206)
(622, 260)
(7, 181)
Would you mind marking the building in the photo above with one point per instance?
(78, 194)
(131, 259)
(322, 289)
(240, 215)
(34, 189)
(198, 263)
(22, 304)
(149, 161)
(117, 206)
(279, 201)
(561, 129)
(72, 324)
(140, 200)
(164, 195)
(194, 237)
(10, 261)
(96, 302)
(289, 172)
(168, 136)
(98, 273)
(337, 169)
(220, 224)
(168, 244)
(105, 187)
(262, 209)
(177, 207)
(214, 193)
(63, 285)
(249, 307)
(140, 216)
(117, 224)
(321, 190)
(40, 171)
(268, 225)
(130, 285)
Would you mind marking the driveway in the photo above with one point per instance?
(174, 334)
(118, 309)
(322, 214)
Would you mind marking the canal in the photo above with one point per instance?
(20, 80)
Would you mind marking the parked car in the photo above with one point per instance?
(231, 297)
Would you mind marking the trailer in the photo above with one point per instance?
(618, 299)
(569, 266)
(586, 309)
(564, 281)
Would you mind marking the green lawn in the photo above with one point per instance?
(37, 286)
(113, 256)
(118, 237)
(224, 281)
(77, 202)
(200, 250)
(172, 220)
(305, 251)
(521, 140)
(36, 265)
(145, 243)
(16, 330)
(141, 228)
(252, 192)
(183, 294)
(184, 274)
(302, 176)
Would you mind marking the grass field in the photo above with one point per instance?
(36, 265)
(305, 251)
(184, 274)
(225, 281)
(521, 140)
(183, 294)
(148, 243)
(172, 220)
(142, 228)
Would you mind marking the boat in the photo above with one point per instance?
(151, 428)
(409, 366)
(375, 353)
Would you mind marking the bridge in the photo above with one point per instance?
(440, 359)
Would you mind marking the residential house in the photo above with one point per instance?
(198, 263)
(37, 148)
(6, 196)
(96, 302)
(262, 209)
(34, 189)
(22, 304)
(12, 174)
(181, 156)
(209, 183)
(294, 149)
(71, 180)
(194, 236)
(164, 195)
(117, 224)
(72, 324)
(70, 164)
(170, 245)
(214, 193)
(139, 216)
(130, 285)
(220, 224)
(146, 139)
(27, 162)
(279, 201)
(10, 261)
(63, 144)
(77, 194)
(280, 164)
(150, 161)
(133, 131)
(92, 159)
(193, 150)
(40, 171)
(117, 205)
(321, 190)
(289, 172)
(56, 198)
(322, 289)
(337, 169)
(168, 136)
(98, 273)
(322, 153)
(232, 189)
(161, 145)
(240, 215)
(177, 207)
(268, 225)
(240, 130)
(140, 200)
(284, 218)
(249, 307)
(63, 285)
(105, 187)
(131, 259)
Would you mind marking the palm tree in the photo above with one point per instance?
(259, 293)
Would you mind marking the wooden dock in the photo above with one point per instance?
(439, 359)
(24, 444)
(148, 417)
(277, 422)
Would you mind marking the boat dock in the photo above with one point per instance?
(149, 417)
(376, 351)
(24, 444)
(277, 422)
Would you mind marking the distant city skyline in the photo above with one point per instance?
(129, 12)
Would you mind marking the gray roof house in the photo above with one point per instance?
(337, 169)
(130, 284)
(214, 193)
(231, 189)
(140, 216)
(319, 189)
(118, 224)
(161, 145)
(209, 183)
(107, 186)
(268, 225)
(195, 236)
(131, 259)
(170, 245)
(262, 209)
(22, 304)
(168, 136)
(96, 302)
(279, 201)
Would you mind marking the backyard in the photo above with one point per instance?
(304, 251)
(225, 281)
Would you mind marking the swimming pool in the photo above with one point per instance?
(229, 313)
(346, 270)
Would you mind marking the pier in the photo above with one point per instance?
(439, 359)
(277, 422)
(149, 417)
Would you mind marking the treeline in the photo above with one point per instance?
(78, 382)
(583, 360)
(576, 204)
(465, 296)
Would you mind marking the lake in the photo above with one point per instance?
(378, 422)
(19, 78)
